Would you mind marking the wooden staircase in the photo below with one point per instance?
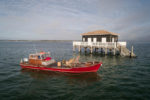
(125, 52)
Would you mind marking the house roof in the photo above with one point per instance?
(100, 32)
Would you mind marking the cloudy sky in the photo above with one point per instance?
(67, 19)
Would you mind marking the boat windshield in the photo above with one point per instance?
(44, 56)
(39, 56)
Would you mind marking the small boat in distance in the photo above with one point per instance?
(43, 61)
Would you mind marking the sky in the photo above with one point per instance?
(67, 19)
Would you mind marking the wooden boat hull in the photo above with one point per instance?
(93, 68)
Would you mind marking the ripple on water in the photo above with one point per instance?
(119, 77)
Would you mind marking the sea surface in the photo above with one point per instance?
(119, 78)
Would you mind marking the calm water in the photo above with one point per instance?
(119, 78)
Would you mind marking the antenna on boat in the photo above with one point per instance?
(35, 51)
(49, 53)
(35, 48)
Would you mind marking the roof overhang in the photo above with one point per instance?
(99, 32)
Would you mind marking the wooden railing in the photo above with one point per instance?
(95, 44)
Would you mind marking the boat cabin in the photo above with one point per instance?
(38, 58)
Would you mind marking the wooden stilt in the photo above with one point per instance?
(110, 51)
(91, 50)
(105, 51)
(101, 50)
(114, 52)
(95, 49)
(85, 49)
(79, 49)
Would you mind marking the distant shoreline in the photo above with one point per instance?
(41, 40)
(61, 41)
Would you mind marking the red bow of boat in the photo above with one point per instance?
(78, 69)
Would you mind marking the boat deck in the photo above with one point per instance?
(54, 65)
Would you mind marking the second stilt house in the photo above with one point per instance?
(101, 39)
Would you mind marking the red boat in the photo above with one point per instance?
(41, 61)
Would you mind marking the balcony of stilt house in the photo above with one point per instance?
(103, 42)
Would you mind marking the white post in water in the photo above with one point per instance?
(132, 51)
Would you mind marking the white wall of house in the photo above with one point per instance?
(103, 40)
(89, 40)
(83, 39)
(95, 40)
(112, 39)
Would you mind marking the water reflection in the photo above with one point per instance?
(83, 78)
(40, 75)
(107, 60)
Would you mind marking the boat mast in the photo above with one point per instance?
(36, 53)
